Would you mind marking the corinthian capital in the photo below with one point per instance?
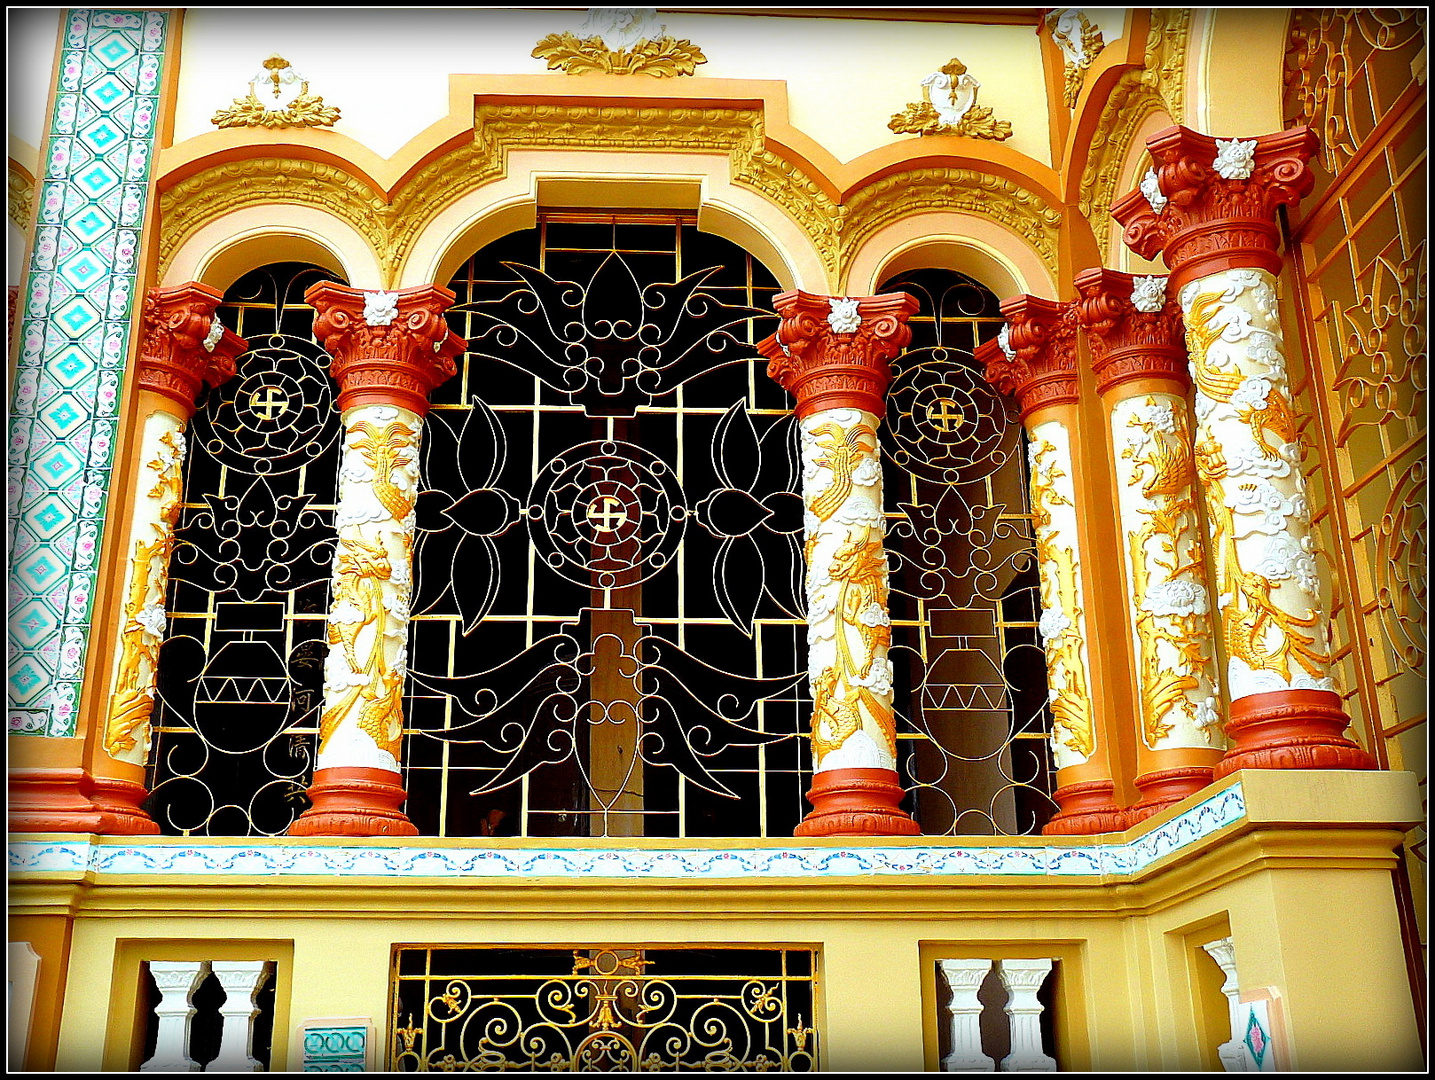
(388, 348)
(836, 352)
(1210, 204)
(1034, 358)
(184, 344)
(1132, 325)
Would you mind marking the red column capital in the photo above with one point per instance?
(835, 352)
(388, 348)
(1133, 327)
(1212, 205)
(1034, 358)
(184, 345)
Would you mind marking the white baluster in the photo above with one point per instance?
(1022, 979)
(1223, 952)
(177, 982)
(965, 978)
(242, 980)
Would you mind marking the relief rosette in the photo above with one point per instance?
(364, 672)
(1063, 620)
(1172, 632)
(849, 628)
(1248, 458)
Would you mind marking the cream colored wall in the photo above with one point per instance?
(32, 35)
(386, 70)
(1234, 71)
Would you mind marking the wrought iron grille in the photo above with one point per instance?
(972, 715)
(608, 634)
(240, 670)
(603, 1009)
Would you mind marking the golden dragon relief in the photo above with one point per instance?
(132, 704)
(363, 582)
(845, 692)
(1060, 593)
(1174, 621)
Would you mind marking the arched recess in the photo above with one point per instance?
(983, 250)
(1133, 166)
(225, 249)
(597, 180)
(1234, 69)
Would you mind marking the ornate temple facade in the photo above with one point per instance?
(749, 539)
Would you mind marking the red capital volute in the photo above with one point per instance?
(836, 352)
(388, 348)
(1133, 327)
(184, 345)
(1217, 200)
(1035, 359)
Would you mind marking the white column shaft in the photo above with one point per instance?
(242, 980)
(965, 978)
(1022, 979)
(177, 982)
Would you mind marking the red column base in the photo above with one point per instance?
(354, 802)
(1086, 809)
(119, 804)
(1290, 729)
(52, 800)
(856, 802)
(1164, 788)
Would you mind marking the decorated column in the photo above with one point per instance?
(1139, 360)
(1210, 206)
(1034, 359)
(833, 354)
(184, 346)
(389, 349)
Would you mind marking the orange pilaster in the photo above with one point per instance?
(1214, 213)
(389, 350)
(834, 354)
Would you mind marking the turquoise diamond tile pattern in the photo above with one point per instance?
(74, 328)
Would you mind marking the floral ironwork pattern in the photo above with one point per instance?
(607, 1009)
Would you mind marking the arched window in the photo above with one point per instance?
(240, 671)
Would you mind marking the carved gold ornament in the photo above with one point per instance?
(20, 198)
(620, 41)
(949, 107)
(126, 732)
(1080, 42)
(301, 109)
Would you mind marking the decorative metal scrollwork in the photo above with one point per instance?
(240, 671)
(603, 1010)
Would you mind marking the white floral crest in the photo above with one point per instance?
(380, 308)
(1004, 341)
(843, 318)
(1176, 597)
(216, 331)
(1148, 294)
(1235, 160)
(1151, 188)
(1053, 624)
(152, 620)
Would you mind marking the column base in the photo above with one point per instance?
(52, 800)
(354, 802)
(1164, 788)
(1290, 729)
(1086, 809)
(118, 802)
(856, 802)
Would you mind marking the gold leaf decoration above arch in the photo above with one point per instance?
(209, 195)
(392, 225)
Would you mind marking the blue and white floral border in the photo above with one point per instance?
(285, 858)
